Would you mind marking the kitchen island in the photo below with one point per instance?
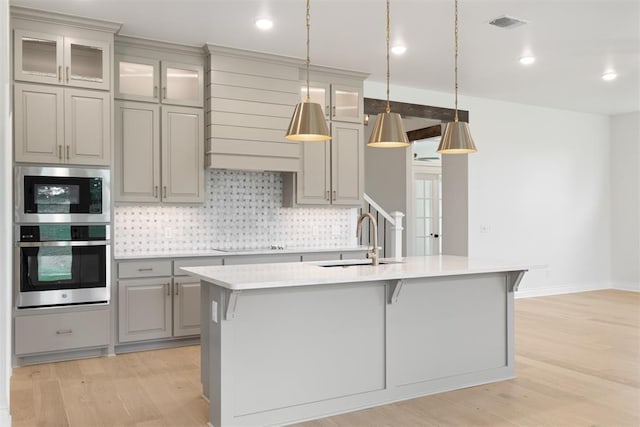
(289, 342)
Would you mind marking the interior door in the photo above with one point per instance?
(428, 217)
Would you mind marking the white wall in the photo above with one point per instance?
(539, 189)
(5, 217)
(625, 201)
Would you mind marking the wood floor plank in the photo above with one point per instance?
(577, 364)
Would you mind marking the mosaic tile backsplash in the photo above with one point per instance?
(242, 211)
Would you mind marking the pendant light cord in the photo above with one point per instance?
(308, 58)
(388, 109)
(456, 60)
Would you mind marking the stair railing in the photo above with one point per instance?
(389, 229)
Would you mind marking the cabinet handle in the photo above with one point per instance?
(145, 269)
(168, 289)
(177, 288)
(60, 152)
(327, 195)
(60, 73)
(334, 195)
(68, 72)
(334, 111)
(164, 92)
(155, 191)
(68, 152)
(164, 191)
(155, 91)
(64, 331)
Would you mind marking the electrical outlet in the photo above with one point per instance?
(167, 232)
(315, 231)
(335, 230)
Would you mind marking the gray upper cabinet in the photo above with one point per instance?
(61, 60)
(159, 125)
(332, 172)
(153, 80)
(339, 102)
(62, 125)
(159, 153)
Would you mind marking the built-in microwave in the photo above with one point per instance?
(61, 195)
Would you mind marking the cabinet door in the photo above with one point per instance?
(87, 127)
(182, 154)
(319, 93)
(186, 307)
(137, 164)
(137, 79)
(346, 103)
(38, 57)
(182, 84)
(39, 123)
(144, 309)
(314, 180)
(87, 63)
(347, 164)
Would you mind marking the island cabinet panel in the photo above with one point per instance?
(468, 333)
(331, 337)
(250, 100)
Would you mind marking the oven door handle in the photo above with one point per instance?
(63, 243)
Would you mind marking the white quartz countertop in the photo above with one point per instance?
(240, 252)
(266, 276)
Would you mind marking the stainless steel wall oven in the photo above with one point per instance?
(61, 195)
(62, 264)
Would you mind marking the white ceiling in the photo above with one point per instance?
(574, 41)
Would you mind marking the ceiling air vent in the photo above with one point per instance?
(508, 22)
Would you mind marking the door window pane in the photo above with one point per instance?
(182, 85)
(346, 104)
(86, 63)
(39, 57)
(136, 79)
(317, 95)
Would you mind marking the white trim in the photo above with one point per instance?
(626, 286)
(559, 290)
(377, 207)
(5, 418)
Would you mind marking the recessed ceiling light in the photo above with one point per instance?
(527, 60)
(264, 24)
(399, 49)
(609, 75)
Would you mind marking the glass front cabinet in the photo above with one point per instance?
(141, 79)
(339, 102)
(61, 60)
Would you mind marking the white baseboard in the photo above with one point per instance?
(627, 286)
(5, 417)
(559, 290)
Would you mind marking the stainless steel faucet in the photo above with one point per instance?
(373, 253)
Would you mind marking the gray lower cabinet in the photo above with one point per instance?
(186, 307)
(144, 309)
(43, 331)
(157, 301)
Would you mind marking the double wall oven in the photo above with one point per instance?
(63, 247)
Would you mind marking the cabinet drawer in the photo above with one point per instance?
(61, 331)
(261, 259)
(196, 262)
(321, 256)
(136, 269)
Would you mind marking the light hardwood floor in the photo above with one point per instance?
(577, 364)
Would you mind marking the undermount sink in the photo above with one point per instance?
(356, 262)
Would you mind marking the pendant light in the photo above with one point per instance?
(308, 122)
(388, 132)
(457, 137)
